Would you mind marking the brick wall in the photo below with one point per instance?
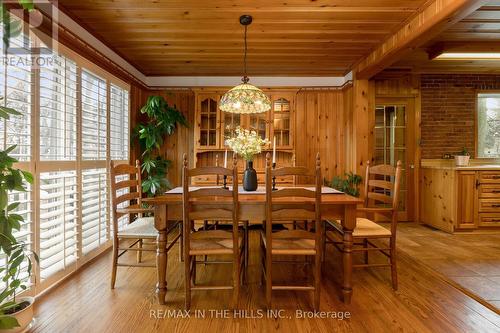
(448, 111)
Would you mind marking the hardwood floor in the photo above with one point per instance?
(470, 261)
(423, 303)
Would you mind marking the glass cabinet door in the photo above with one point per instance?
(208, 122)
(229, 122)
(259, 123)
(282, 122)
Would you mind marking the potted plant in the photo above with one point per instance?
(462, 159)
(162, 121)
(247, 144)
(16, 313)
(348, 184)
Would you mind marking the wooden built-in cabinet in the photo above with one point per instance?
(460, 199)
(214, 126)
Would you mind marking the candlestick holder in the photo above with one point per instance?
(274, 178)
(225, 183)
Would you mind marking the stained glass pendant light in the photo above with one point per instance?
(245, 98)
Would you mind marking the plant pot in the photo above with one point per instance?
(250, 177)
(462, 160)
(24, 317)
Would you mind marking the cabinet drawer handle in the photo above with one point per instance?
(495, 191)
(495, 205)
(495, 220)
(495, 177)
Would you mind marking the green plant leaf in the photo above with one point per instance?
(3, 199)
(27, 4)
(8, 322)
(28, 176)
(10, 111)
(15, 263)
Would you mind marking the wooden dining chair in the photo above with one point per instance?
(283, 205)
(382, 183)
(220, 225)
(139, 230)
(200, 204)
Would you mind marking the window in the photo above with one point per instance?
(94, 117)
(58, 110)
(94, 209)
(75, 119)
(58, 221)
(119, 133)
(488, 125)
(15, 87)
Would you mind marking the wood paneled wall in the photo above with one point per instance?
(175, 145)
(323, 125)
(321, 119)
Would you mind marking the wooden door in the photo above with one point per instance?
(394, 140)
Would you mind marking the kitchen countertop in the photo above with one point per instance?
(450, 165)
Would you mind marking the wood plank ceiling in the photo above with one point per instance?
(203, 37)
(479, 32)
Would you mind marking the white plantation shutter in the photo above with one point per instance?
(94, 209)
(58, 109)
(15, 87)
(119, 132)
(58, 221)
(94, 117)
(69, 222)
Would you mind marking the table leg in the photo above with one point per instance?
(348, 226)
(161, 252)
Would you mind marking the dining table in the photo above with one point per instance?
(335, 205)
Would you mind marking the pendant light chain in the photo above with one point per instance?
(245, 98)
(245, 77)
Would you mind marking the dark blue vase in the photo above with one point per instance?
(250, 177)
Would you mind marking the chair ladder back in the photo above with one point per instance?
(306, 211)
(382, 190)
(202, 208)
(133, 183)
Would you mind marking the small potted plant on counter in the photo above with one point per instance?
(462, 159)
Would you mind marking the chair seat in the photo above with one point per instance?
(143, 227)
(213, 242)
(285, 243)
(365, 228)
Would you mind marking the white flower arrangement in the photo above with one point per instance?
(246, 143)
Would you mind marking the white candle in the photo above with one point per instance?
(274, 150)
(225, 159)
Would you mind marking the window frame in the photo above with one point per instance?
(37, 166)
(476, 126)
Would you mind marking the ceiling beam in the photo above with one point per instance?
(436, 17)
